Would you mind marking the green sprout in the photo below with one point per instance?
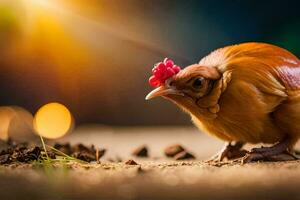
(63, 159)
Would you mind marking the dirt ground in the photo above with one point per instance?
(155, 177)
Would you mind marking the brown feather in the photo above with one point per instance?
(257, 97)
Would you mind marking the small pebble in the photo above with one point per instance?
(184, 155)
(141, 151)
(172, 150)
(131, 162)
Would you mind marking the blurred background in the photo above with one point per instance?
(95, 56)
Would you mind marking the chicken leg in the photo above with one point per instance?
(231, 150)
(269, 153)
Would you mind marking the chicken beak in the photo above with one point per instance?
(162, 91)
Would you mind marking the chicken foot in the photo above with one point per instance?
(270, 153)
(231, 150)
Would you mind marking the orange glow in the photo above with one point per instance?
(53, 121)
(6, 116)
(15, 122)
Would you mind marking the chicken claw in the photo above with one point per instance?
(278, 152)
(231, 150)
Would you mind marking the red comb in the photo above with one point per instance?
(162, 71)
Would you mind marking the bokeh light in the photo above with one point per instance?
(16, 123)
(53, 121)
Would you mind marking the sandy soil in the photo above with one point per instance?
(153, 178)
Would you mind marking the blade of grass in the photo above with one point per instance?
(44, 146)
(67, 156)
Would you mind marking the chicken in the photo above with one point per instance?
(245, 93)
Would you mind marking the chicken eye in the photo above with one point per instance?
(198, 82)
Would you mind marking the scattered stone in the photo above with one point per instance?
(19, 153)
(65, 148)
(81, 148)
(29, 154)
(131, 162)
(51, 154)
(81, 151)
(4, 159)
(25, 153)
(173, 150)
(84, 153)
(141, 151)
(85, 156)
(184, 155)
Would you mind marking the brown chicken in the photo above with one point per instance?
(246, 93)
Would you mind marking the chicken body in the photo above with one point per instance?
(249, 93)
(260, 100)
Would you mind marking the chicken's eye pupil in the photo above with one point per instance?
(197, 82)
